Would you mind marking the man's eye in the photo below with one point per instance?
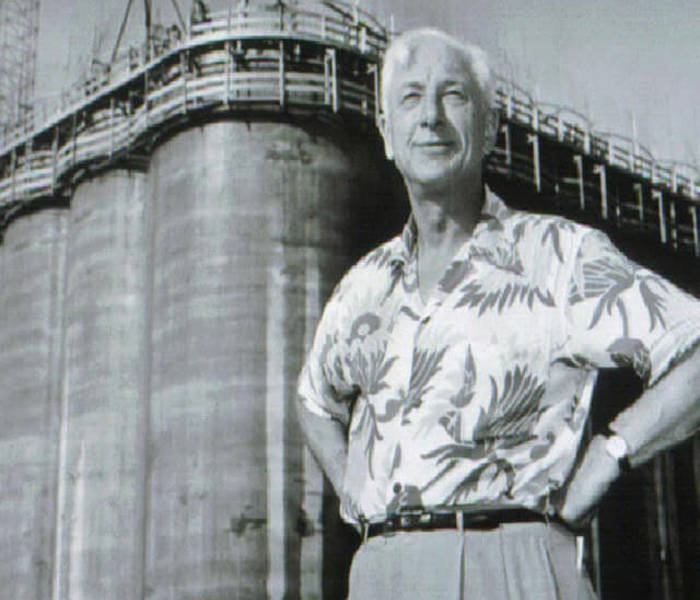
(410, 98)
(454, 95)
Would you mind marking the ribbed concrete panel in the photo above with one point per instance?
(32, 258)
(245, 216)
(102, 490)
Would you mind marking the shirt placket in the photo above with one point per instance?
(407, 339)
(410, 327)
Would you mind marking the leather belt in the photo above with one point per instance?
(475, 520)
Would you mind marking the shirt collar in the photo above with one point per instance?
(492, 215)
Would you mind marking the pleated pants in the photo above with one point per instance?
(516, 561)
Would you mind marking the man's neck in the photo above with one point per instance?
(446, 216)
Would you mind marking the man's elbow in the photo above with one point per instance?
(302, 414)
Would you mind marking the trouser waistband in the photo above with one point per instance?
(425, 520)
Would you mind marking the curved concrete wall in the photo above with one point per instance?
(31, 305)
(247, 220)
(102, 489)
(150, 360)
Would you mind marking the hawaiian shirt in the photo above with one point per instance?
(480, 395)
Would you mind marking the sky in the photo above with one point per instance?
(617, 61)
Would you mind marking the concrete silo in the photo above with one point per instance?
(219, 182)
(31, 307)
(104, 416)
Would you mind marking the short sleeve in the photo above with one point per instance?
(620, 313)
(323, 388)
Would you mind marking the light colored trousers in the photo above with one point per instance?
(517, 561)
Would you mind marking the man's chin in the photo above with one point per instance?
(436, 177)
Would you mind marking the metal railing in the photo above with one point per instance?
(209, 68)
(333, 23)
(568, 126)
(275, 57)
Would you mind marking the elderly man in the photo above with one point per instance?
(450, 378)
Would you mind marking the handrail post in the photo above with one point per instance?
(281, 73)
(639, 191)
(374, 71)
(229, 72)
(29, 152)
(659, 196)
(13, 170)
(578, 161)
(673, 223)
(111, 126)
(600, 170)
(74, 133)
(535, 117)
(533, 139)
(183, 69)
(334, 80)
(330, 79)
(54, 158)
(560, 128)
(129, 118)
(505, 128)
(146, 105)
(696, 228)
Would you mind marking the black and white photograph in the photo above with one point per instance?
(355, 299)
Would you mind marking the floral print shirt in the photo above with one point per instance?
(480, 395)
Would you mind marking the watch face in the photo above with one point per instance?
(616, 447)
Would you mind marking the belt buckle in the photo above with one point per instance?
(411, 518)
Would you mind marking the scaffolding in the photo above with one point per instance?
(19, 26)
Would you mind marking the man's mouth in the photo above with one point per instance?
(434, 145)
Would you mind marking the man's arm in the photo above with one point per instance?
(327, 439)
(661, 417)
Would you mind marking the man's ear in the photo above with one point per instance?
(490, 130)
(386, 136)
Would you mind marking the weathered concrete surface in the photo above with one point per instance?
(102, 490)
(151, 448)
(31, 303)
(251, 228)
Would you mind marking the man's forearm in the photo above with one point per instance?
(327, 440)
(665, 414)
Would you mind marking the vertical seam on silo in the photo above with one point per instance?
(149, 216)
(274, 412)
(63, 414)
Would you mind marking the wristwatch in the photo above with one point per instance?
(617, 448)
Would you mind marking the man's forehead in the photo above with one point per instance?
(430, 57)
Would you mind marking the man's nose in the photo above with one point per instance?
(431, 114)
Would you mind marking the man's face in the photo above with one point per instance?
(435, 126)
